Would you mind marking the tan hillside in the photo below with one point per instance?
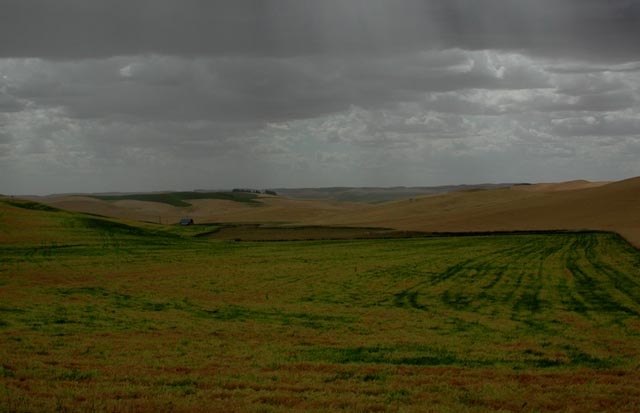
(615, 207)
(561, 186)
(272, 209)
(569, 205)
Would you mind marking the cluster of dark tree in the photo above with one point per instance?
(254, 191)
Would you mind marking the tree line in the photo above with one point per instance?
(254, 191)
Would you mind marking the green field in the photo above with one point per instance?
(97, 315)
(274, 232)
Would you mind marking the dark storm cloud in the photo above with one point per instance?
(9, 103)
(4, 138)
(590, 29)
(257, 90)
(302, 92)
(605, 102)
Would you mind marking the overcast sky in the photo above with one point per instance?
(141, 95)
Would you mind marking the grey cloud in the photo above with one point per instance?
(5, 138)
(456, 103)
(9, 103)
(589, 84)
(398, 92)
(587, 68)
(604, 126)
(590, 29)
(603, 102)
(402, 127)
(470, 70)
(164, 88)
(442, 127)
(258, 90)
(586, 102)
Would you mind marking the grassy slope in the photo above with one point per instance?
(101, 316)
(27, 223)
(301, 233)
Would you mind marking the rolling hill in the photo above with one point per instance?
(612, 207)
(573, 205)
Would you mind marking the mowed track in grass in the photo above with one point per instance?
(99, 315)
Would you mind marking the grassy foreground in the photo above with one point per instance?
(96, 315)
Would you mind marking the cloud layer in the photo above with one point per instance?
(146, 95)
(285, 28)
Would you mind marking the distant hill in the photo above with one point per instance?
(179, 198)
(606, 206)
(571, 205)
(379, 194)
